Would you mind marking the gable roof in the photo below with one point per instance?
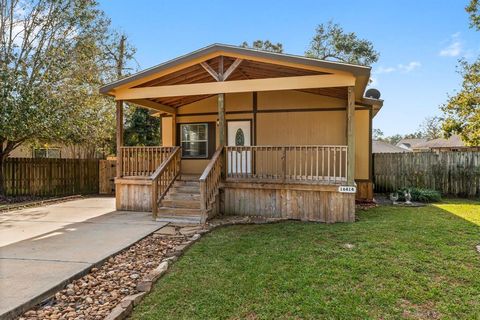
(362, 72)
(384, 147)
(455, 141)
(411, 143)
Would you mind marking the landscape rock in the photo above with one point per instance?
(144, 286)
(156, 273)
(135, 298)
(195, 237)
(119, 313)
(97, 293)
(187, 231)
(168, 230)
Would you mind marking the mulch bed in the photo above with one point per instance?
(97, 293)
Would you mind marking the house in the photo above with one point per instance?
(385, 147)
(55, 150)
(410, 144)
(454, 143)
(248, 132)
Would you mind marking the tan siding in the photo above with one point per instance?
(362, 132)
(301, 128)
(167, 132)
(296, 99)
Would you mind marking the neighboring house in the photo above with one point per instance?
(248, 132)
(410, 144)
(385, 147)
(454, 143)
(56, 150)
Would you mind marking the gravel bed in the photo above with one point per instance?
(97, 293)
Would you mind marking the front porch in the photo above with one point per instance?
(291, 182)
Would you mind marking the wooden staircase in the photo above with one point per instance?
(181, 204)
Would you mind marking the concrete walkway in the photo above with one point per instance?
(43, 248)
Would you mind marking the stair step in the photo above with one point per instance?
(168, 211)
(184, 183)
(186, 189)
(188, 177)
(182, 196)
(181, 203)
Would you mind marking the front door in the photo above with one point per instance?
(239, 133)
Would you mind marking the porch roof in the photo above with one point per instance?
(192, 77)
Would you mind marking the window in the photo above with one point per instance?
(194, 140)
(46, 153)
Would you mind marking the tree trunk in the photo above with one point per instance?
(6, 147)
(2, 175)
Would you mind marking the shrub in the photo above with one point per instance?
(420, 195)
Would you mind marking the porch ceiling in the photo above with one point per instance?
(246, 70)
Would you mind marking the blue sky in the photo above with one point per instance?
(419, 42)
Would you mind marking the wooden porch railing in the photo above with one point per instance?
(143, 161)
(210, 182)
(164, 177)
(287, 164)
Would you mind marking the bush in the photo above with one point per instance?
(420, 195)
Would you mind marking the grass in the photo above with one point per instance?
(410, 263)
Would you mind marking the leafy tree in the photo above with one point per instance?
(142, 129)
(431, 128)
(51, 63)
(332, 42)
(473, 9)
(264, 46)
(377, 134)
(462, 111)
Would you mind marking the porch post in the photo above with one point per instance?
(351, 136)
(221, 119)
(119, 134)
(174, 130)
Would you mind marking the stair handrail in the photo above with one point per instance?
(163, 178)
(210, 182)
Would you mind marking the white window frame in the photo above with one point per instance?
(204, 124)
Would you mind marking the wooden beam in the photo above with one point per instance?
(220, 68)
(153, 105)
(232, 68)
(221, 119)
(269, 84)
(119, 134)
(351, 136)
(209, 69)
(174, 130)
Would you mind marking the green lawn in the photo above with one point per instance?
(413, 263)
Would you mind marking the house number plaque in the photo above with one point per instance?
(347, 189)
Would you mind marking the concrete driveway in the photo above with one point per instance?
(42, 248)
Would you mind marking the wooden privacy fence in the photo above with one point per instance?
(453, 173)
(106, 176)
(50, 177)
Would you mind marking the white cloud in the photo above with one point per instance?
(454, 48)
(403, 68)
(409, 67)
(381, 70)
